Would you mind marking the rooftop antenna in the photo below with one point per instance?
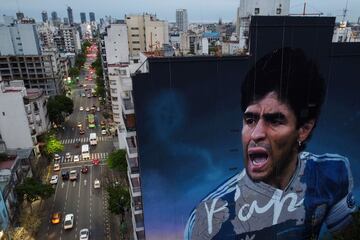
(345, 10)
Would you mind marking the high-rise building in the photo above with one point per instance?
(44, 16)
(20, 15)
(146, 33)
(19, 39)
(264, 7)
(182, 19)
(54, 16)
(70, 15)
(66, 21)
(83, 17)
(92, 16)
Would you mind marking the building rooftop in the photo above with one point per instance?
(34, 93)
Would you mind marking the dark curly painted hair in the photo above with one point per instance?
(293, 77)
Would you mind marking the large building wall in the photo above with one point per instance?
(116, 44)
(14, 126)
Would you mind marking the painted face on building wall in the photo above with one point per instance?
(269, 137)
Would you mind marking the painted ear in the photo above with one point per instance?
(305, 130)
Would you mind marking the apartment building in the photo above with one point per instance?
(13, 171)
(19, 39)
(250, 8)
(25, 115)
(145, 33)
(71, 39)
(37, 71)
(182, 20)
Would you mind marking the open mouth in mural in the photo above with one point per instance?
(258, 158)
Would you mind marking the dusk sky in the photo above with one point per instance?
(198, 10)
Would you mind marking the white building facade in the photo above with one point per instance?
(249, 8)
(182, 19)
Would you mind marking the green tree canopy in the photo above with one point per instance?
(119, 199)
(53, 145)
(58, 107)
(32, 190)
(74, 72)
(117, 160)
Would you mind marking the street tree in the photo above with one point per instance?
(117, 161)
(32, 190)
(119, 200)
(58, 107)
(74, 72)
(53, 145)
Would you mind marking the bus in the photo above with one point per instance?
(85, 152)
(92, 139)
(91, 120)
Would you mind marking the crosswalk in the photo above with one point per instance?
(86, 140)
(101, 156)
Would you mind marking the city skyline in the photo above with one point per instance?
(226, 10)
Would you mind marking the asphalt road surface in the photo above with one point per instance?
(89, 205)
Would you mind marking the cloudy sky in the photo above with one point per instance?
(198, 10)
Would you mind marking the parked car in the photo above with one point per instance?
(69, 221)
(54, 179)
(97, 183)
(56, 167)
(56, 218)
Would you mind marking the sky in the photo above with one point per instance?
(198, 10)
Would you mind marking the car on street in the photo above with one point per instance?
(56, 167)
(83, 94)
(81, 131)
(98, 109)
(57, 157)
(54, 179)
(81, 108)
(77, 143)
(102, 123)
(89, 95)
(103, 131)
(84, 234)
(73, 175)
(76, 158)
(56, 218)
(97, 183)
(100, 98)
(67, 156)
(65, 175)
(87, 109)
(79, 124)
(84, 169)
(69, 221)
(95, 161)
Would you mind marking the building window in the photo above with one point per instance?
(134, 28)
(257, 11)
(136, 49)
(278, 11)
(135, 35)
(114, 99)
(122, 72)
(136, 42)
(3, 113)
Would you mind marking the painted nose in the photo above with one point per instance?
(258, 132)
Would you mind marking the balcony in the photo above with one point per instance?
(138, 222)
(131, 147)
(128, 105)
(134, 186)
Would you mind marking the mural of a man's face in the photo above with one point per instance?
(269, 138)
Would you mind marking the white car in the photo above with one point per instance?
(56, 167)
(81, 108)
(83, 94)
(84, 234)
(76, 158)
(54, 179)
(98, 109)
(73, 175)
(69, 221)
(97, 183)
(87, 109)
(57, 157)
(103, 132)
(67, 156)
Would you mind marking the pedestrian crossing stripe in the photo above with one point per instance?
(85, 140)
(101, 156)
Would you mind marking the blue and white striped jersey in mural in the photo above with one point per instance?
(319, 192)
